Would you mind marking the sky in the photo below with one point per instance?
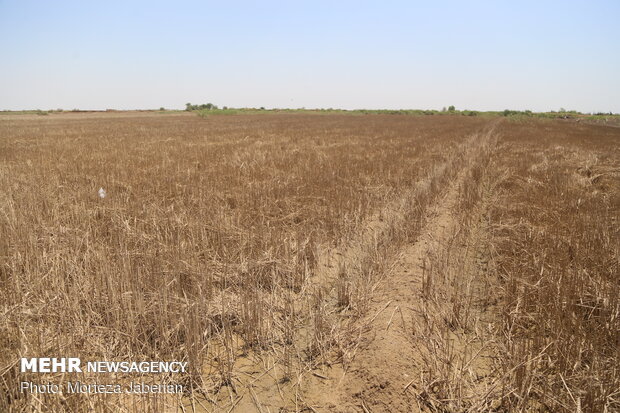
(478, 55)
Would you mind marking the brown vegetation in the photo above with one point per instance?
(558, 239)
(315, 262)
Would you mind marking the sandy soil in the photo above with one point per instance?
(385, 375)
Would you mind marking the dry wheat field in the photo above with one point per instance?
(313, 262)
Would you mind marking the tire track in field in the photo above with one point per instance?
(387, 362)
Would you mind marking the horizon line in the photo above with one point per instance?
(230, 108)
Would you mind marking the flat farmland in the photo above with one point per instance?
(313, 262)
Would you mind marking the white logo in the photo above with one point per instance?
(50, 365)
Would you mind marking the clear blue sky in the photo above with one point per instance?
(539, 55)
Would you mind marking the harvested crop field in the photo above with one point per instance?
(313, 262)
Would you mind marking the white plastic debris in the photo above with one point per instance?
(101, 193)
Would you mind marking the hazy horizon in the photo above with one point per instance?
(350, 55)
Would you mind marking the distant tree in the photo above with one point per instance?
(451, 108)
(162, 108)
(204, 106)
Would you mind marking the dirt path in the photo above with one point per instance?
(386, 372)
(386, 361)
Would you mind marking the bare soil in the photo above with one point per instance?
(386, 372)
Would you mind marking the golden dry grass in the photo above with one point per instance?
(558, 239)
(207, 226)
(232, 240)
